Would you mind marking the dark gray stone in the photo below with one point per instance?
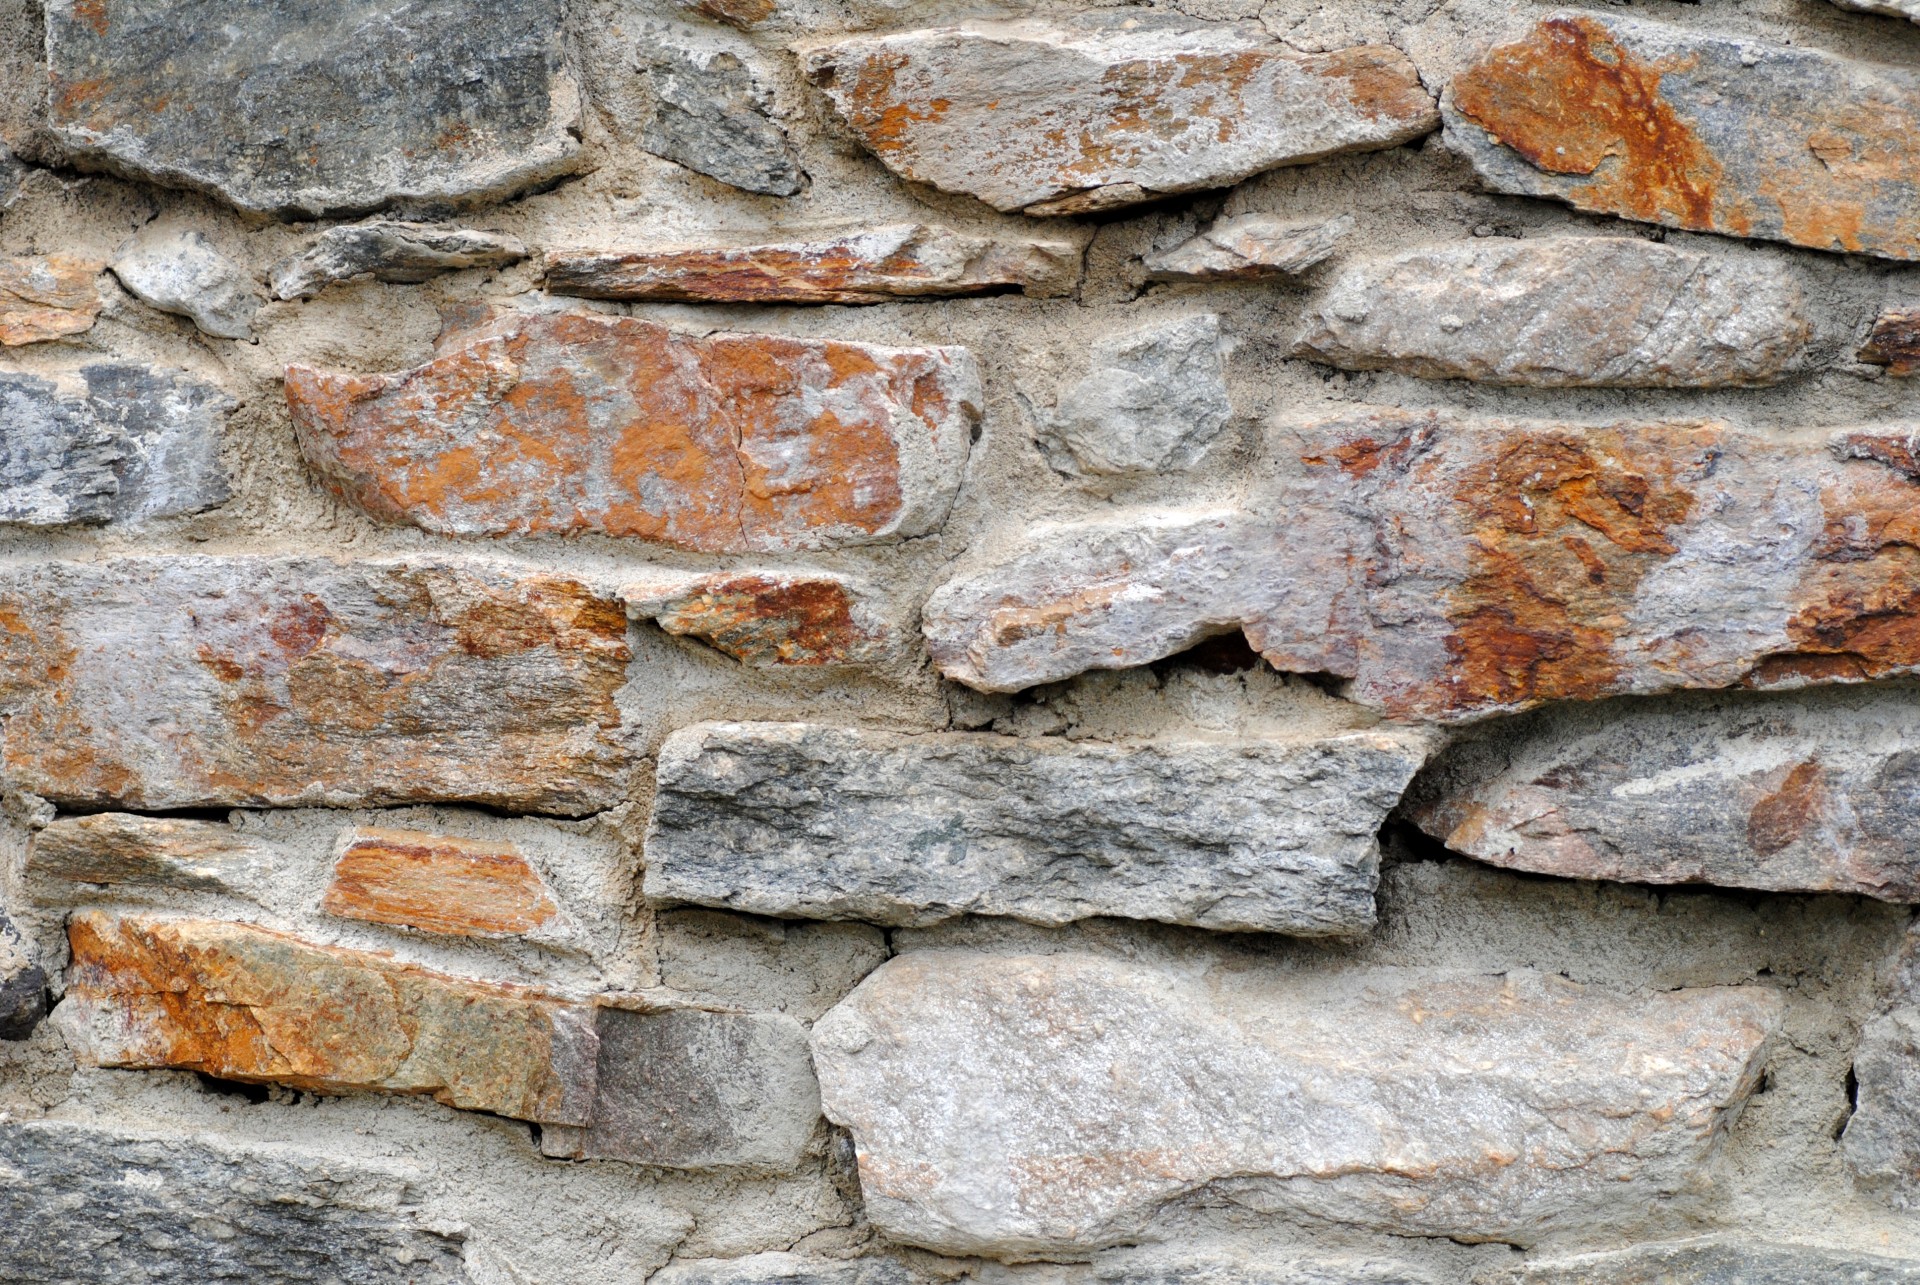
(1713, 1262)
(84, 1206)
(305, 108)
(709, 116)
(405, 253)
(23, 994)
(114, 442)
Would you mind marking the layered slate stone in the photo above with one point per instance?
(1882, 1138)
(387, 250)
(782, 1269)
(23, 984)
(710, 115)
(1036, 1105)
(564, 424)
(1689, 130)
(110, 442)
(47, 296)
(1101, 110)
(769, 619)
(1153, 401)
(1563, 312)
(1249, 247)
(1451, 568)
(122, 852)
(85, 1204)
(1711, 1261)
(1894, 341)
(1807, 792)
(899, 261)
(243, 1003)
(685, 1088)
(308, 110)
(182, 682)
(436, 883)
(794, 820)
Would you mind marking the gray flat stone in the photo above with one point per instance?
(1713, 1262)
(1882, 1139)
(125, 852)
(781, 1269)
(796, 820)
(1170, 1267)
(710, 116)
(181, 272)
(23, 989)
(1153, 402)
(1909, 9)
(404, 253)
(1249, 247)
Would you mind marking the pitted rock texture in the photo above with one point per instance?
(1703, 132)
(1416, 1103)
(436, 883)
(1790, 792)
(182, 272)
(1894, 342)
(85, 1205)
(47, 296)
(184, 681)
(900, 261)
(1249, 247)
(23, 985)
(1452, 568)
(1713, 1262)
(710, 115)
(390, 251)
(1563, 312)
(1892, 8)
(244, 1003)
(122, 852)
(795, 820)
(111, 442)
(1154, 400)
(1104, 110)
(1882, 1139)
(584, 423)
(311, 109)
(769, 619)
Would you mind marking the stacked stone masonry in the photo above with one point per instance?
(959, 642)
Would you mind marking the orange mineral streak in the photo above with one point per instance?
(772, 620)
(47, 296)
(1794, 806)
(1380, 82)
(437, 884)
(93, 13)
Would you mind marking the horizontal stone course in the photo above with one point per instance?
(768, 619)
(122, 852)
(436, 883)
(389, 250)
(1712, 1262)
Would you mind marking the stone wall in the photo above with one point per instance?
(893, 642)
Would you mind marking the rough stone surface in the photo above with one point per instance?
(118, 850)
(584, 423)
(23, 985)
(1882, 1139)
(1703, 132)
(390, 251)
(768, 619)
(1164, 1268)
(47, 296)
(1808, 792)
(1074, 115)
(781, 1269)
(1563, 312)
(312, 109)
(710, 115)
(181, 272)
(1452, 568)
(1411, 1102)
(1891, 8)
(243, 1003)
(1250, 247)
(184, 681)
(112, 442)
(1713, 1262)
(684, 1088)
(1154, 400)
(83, 1205)
(903, 260)
(795, 820)
(435, 883)
(1894, 341)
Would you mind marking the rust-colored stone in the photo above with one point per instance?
(437, 884)
(1894, 341)
(768, 618)
(243, 1003)
(585, 423)
(46, 296)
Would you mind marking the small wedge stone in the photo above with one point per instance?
(405, 253)
(1249, 247)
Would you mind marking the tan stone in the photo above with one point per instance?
(47, 296)
(436, 883)
(1894, 341)
(770, 619)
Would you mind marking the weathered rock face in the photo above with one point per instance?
(1892, 8)
(181, 272)
(390, 251)
(243, 1003)
(435, 883)
(1454, 568)
(47, 296)
(1882, 1139)
(1415, 1103)
(112, 442)
(768, 619)
(121, 851)
(84, 1205)
(907, 260)
(710, 116)
(1809, 792)
(1249, 247)
(1154, 400)
(794, 820)
(689, 1089)
(1108, 109)
(781, 1269)
(178, 682)
(578, 423)
(311, 109)
(1894, 342)
(23, 985)
(1713, 1262)
(1563, 312)
(1162, 1268)
(1687, 130)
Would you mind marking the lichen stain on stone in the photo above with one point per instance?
(436, 883)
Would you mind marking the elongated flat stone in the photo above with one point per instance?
(1103, 110)
(85, 1204)
(1563, 312)
(1909, 9)
(1803, 792)
(1451, 568)
(901, 261)
(47, 296)
(1894, 342)
(1713, 1262)
(23, 984)
(1689, 130)
(1020, 1105)
(242, 1003)
(436, 883)
(1249, 247)
(768, 619)
(178, 682)
(387, 250)
(113, 442)
(120, 851)
(794, 820)
(586, 423)
(781, 1269)
(305, 109)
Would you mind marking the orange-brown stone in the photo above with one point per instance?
(1894, 341)
(767, 618)
(46, 296)
(437, 884)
